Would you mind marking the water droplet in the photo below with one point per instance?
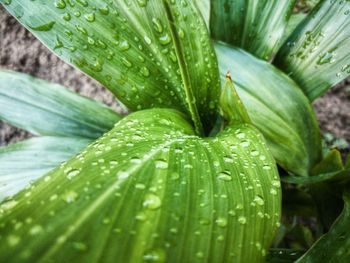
(221, 222)
(142, 3)
(242, 220)
(161, 164)
(140, 186)
(259, 200)
(164, 40)
(152, 202)
(79, 246)
(157, 255)
(71, 173)
(148, 40)
(60, 4)
(273, 191)
(67, 16)
(200, 255)
(44, 27)
(35, 230)
(104, 10)
(124, 45)
(13, 240)
(90, 17)
(225, 176)
(157, 25)
(70, 196)
(145, 71)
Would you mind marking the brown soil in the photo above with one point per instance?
(20, 51)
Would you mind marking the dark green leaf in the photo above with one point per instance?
(277, 107)
(293, 22)
(44, 108)
(283, 256)
(333, 246)
(128, 47)
(256, 26)
(317, 54)
(150, 190)
(26, 161)
(330, 169)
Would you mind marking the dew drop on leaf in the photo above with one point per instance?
(152, 202)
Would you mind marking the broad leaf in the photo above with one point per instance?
(333, 246)
(256, 25)
(149, 53)
(43, 108)
(277, 107)
(317, 54)
(150, 190)
(26, 161)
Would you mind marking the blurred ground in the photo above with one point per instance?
(20, 51)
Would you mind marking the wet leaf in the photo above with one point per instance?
(256, 26)
(277, 107)
(149, 53)
(333, 246)
(317, 54)
(150, 190)
(44, 108)
(26, 161)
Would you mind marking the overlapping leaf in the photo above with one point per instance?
(26, 161)
(317, 54)
(277, 107)
(255, 25)
(43, 108)
(333, 246)
(149, 53)
(150, 190)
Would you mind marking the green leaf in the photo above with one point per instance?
(256, 26)
(330, 169)
(283, 256)
(333, 246)
(26, 161)
(44, 108)
(317, 54)
(277, 107)
(294, 21)
(204, 8)
(153, 192)
(231, 105)
(130, 48)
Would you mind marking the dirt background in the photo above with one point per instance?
(20, 51)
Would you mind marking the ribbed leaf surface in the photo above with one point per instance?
(26, 161)
(317, 54)
(255, 25)
(277, 107)
(130, 47)
(44, 108)
(150, 190)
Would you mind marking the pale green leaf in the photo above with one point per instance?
(128, 47)
(26, 161)
(333, 246)
(204, 8)
(150, 190)
(255, 25)
(317, 54)
(44, 108)
(277, 107)
(231, 105)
